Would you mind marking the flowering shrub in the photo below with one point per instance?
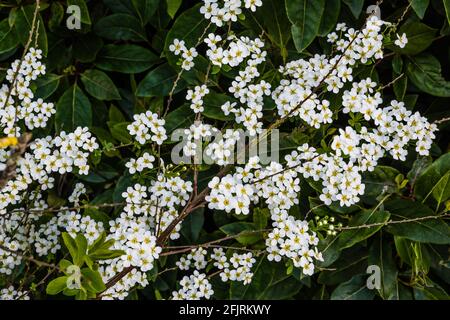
(99, 199)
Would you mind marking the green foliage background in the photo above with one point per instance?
(118, 65)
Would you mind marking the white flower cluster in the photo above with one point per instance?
(19, 236)
(78, 191)
(296, 96)
(147, 126)
(292, 238)
(237, 268)
(34, 113)
(148, 212)
(196, 97)
(194, 287)
(396, 125)
(12, 294)
(135, 236)
(196, 259)
(194, 136)
(61, 154)
(229, 12)
(187, 55)
(221, 151)
(141, 163)
(233, 53)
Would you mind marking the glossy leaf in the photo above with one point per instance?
(99, 85)
(72, 110)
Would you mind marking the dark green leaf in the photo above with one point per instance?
(425, 73)
(270, 281)
(8, 37)
(245, 230)
(72, 110)
(420, 36)
(330, 16)
(172, 7)
(380, 254)
(46, 85)
(99, 85)
(429, 230)
(306, 17)
(23, 23)
(120, 26)
(125, 58)
(355, 6)
(348, 238)
(159, 82)
(353, 289)
(420, 6)
(145, 9)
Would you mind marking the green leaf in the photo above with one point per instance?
(261, 217)
(122, 184)
(106, 254)
(330, 17)
(70, 244)
(244, 229)
(429, 231)
(193, 224)
(441, 191)
(81, 243)
(23, 23)
(420, 37)
(431, 291)
(72, 110)
(98, 242)
(355, 6)
(64, 264)
(380, 180)
(181, 117)
(84, 11)
(46, 85)
(432, 176)
(125, 58)
(274, 18)
(191, 35)
(306, 17)
(159, 82)
(270, 282)
(352, 261)
(172, 7)
(353, 289)
(93, 279)
(348, 238)
(56, 285)
(120, 26)
(86, 47)
(99, 85)
(8, 37)
(120, 132)
(447, 9)
(380, 254)
(145, 9)
(212, 106)
(424, 71)
(400, 87)
(420, 6)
